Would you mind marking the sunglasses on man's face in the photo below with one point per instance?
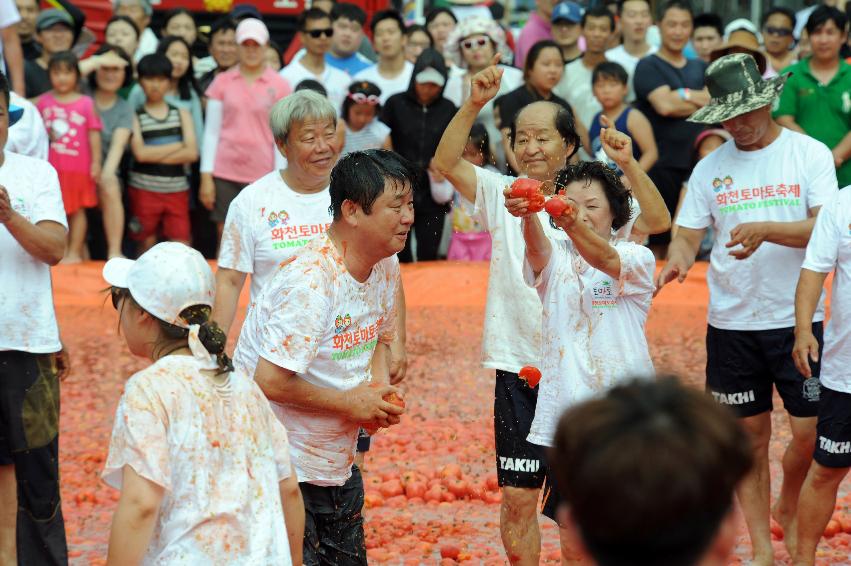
(782, 32)
(471, 43)
(315, 33)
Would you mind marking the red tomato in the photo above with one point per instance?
(555, 207)
(395, 399)
(458, 487)
(525, 188)
(450, 551)
(531, 375)
(451, 471)
(833, 527)
(391, 488)
(416, 489)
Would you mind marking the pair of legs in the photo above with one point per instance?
(226, 191)
(32, 529)
(669, 181)
(742, 370)
(109, 196)
(520, 468)
(78, 226)
(832, 461)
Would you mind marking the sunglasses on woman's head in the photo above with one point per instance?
(315, 33)
(361, 98)
(471, 43)
(782, 32)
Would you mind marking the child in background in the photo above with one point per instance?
(163, 143)
(202, 463)
(74, 127)
(470, 239)
(359, 112)
(611, 85)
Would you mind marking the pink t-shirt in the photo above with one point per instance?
(68, 126)
(535, 30)
(245, 151)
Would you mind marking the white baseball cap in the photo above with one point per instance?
(165, 280)
(430, 75)
(252, 28)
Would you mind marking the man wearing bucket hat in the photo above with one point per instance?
(32, 238)
(761, 192)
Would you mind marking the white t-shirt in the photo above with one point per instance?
(628, 62)
(220, 454)
(594, 328)
(27, 317)
(371, 136)
(267, 223)
(315, 319)
(779, 183)
(575, 87)
(335, 81)
(9, 16)
(512, 328)
(28, 136)
(388, 87)
(829, 249)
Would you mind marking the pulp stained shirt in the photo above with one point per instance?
(594, 325)
(316, 320)
(267, 223)
(779, 183)
(830, 249)
(218, 452)
(27, 316)
(513, 313)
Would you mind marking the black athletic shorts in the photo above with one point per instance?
(519, 463)
(669, 181)
(743, 365)
(833, 432)
(333, 523)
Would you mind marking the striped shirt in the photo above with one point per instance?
(371, 136)
(159, 177)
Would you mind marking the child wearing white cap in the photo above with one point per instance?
(196, 451)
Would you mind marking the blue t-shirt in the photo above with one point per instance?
(597, 146)
(352, 64)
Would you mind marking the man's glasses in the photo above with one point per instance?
(316, 33)
(782, 32)
(471, 43)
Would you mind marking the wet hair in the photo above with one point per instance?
(675, 5)
(360, 177)
(480, 138)
(360, 87)
(173, 337)
(668, 453)
(64, 60)
(616, 193)
(599, 12)
(610, 70)
(564, 124)
(535, 52)
(177, 12)
(126, 20)
(824, 14)
(154, 65)
(187, 83)
(433, 13)
(351, 12)
(128, 70)
(379, 17)
(225, 23)
(793, 19)
(310, 15)
(4, 88)
(311, 84)
(414, 28)
(709, 20)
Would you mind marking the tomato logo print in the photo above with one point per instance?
(728, 181)
(273, 219)
(716, 184)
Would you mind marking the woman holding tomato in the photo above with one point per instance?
(595, 289)
(543, 138)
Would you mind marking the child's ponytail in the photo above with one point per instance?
(210, 334)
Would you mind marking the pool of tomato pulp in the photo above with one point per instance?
(431, 492)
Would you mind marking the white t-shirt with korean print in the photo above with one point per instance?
(313, 318)
(219, 453)
(830, 249)
(779, 183)
(267, 223)
(593, 328)
(512, 328)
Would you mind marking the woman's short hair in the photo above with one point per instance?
(616, 193)
(535, 52)
(126, 20)
(298, 107)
